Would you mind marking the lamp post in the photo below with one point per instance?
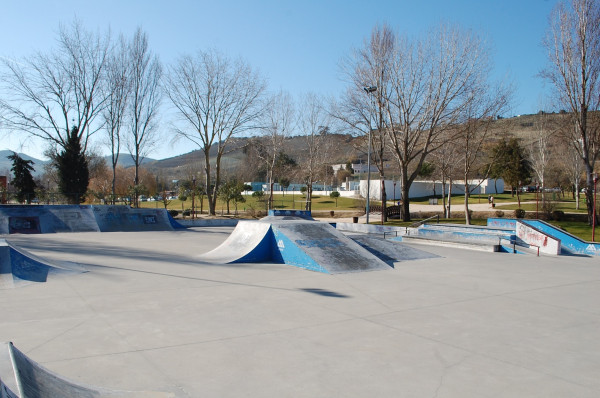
(594, 218)
(369, 90)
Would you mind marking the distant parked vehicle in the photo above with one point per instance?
(528, 188)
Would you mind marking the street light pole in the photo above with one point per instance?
(369, 90)
(594, 218)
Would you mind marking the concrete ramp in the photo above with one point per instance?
(126, 219)
(250, 242)
(307, 244)
(320, 247)
(18, 266)
(33, 219)
(390, 251)
(32, 380)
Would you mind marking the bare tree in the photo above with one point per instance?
(429, 90)
(574, 169)
(117, 91)
(49, 94)
(368, 70)
(573, 44)
(277, 124)
(446, 167)
(539, 151)
(144, 102)
(313, 124)
(474, 132)
(216, 98)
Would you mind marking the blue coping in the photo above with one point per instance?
(288, 252)
(568, 243)
(305, 214)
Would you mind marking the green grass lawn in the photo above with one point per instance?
(287, 202)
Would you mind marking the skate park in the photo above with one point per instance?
(189, 312)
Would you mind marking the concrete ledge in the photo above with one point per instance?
(210, 222)
(371, 229)
(478, 246)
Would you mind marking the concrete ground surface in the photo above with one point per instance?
(149, 316)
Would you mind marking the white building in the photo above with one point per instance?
(419, 189)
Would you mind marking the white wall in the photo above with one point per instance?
(425, 188)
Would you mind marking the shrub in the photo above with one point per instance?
(499, 213)
(187, 212)
(258, 194)
(520, 213)
(558, 215)
(173, 213)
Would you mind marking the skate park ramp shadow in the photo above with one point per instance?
(22, 377)
(19, 267)
(302, 243)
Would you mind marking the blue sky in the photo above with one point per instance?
(297, 45)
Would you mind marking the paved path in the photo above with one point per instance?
(150, 316)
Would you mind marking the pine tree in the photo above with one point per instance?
(22, 180)
(72, 166)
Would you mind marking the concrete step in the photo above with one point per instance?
(486, 246)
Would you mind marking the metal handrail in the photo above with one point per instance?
(419, 223)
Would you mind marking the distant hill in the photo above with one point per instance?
(345, 148)
(125, 160)
(6, 163)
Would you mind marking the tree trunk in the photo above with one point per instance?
(467, 213)
(383, 201)
(589, 196)
(450, 198)
(210, 189)
(446, 215)
(114, 187)
(271, 193)
(405, 201)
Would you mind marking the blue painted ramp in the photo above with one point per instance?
(31, 219)
(250, 242)
(320, 247)
(18, 266)
(126, 219)
(569, 244)
(302, 243)
(17, 219)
